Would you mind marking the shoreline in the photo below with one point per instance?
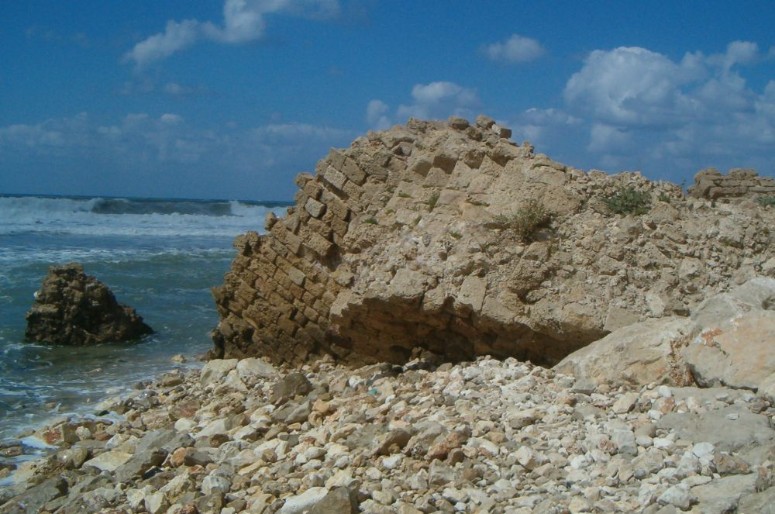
(28, 443)
(481, 436)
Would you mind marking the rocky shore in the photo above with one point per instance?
(486, 436)
(378, 350)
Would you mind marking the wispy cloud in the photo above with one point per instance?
(377, 115)
(142, 85)
(52, 36)
(516, 49)
(243, 21)
(141, 149)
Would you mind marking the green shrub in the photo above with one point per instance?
(433, 200)
(370, 221)
(629, 201)
(527, 220)
(765, 201)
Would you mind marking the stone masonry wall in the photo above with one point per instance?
(713, 185)
(398, 244)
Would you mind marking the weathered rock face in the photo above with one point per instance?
(76, 309)
(410, 239)
(729, 340)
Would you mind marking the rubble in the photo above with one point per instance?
(488, 436)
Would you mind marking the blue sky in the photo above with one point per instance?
(232, 98)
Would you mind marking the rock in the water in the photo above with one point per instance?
(73, 308)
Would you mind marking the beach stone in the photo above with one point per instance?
(214, 483)
(727, 464)
(140, 462)
(392, 442)
(762, 502)
(214, 371)
(624, 439)
(109, 461)
(156, 503)
(678, 496)
(33, 499)
(72, 308)
(625, 403)
(293, 412)
(436, 439)
(727, 429)
(289, 386)
(304, 501)
(74, 457)
(723, 495)
(253, 369)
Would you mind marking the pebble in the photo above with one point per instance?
(485, 436)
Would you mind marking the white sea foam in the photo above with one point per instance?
(160, 256)
(129, 217)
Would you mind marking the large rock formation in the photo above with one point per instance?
(431, 236)
(76, 309)
(728, 341)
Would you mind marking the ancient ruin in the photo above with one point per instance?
(419, 238)
(712, 184)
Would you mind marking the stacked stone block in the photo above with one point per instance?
(713, 185)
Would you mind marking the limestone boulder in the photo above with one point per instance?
(735, 341)
(73, 308)
(729, 340)
(635, 355)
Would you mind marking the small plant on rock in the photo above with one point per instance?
(766, 201)
(629, 200)
(527, 220)
(433, 200)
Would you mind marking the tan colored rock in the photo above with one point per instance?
(410, 239)
(635, 355)
(740, 354)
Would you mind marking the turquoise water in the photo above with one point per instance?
(159, 256)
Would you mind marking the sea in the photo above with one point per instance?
(159, 256)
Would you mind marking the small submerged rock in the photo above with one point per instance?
(72, 308)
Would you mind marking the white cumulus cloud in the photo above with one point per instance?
(632, 86)
(377, 115)
(243, 21)
(177, 36)
(435, 100)
(516, 49)
(439, 100)
(634, 108)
